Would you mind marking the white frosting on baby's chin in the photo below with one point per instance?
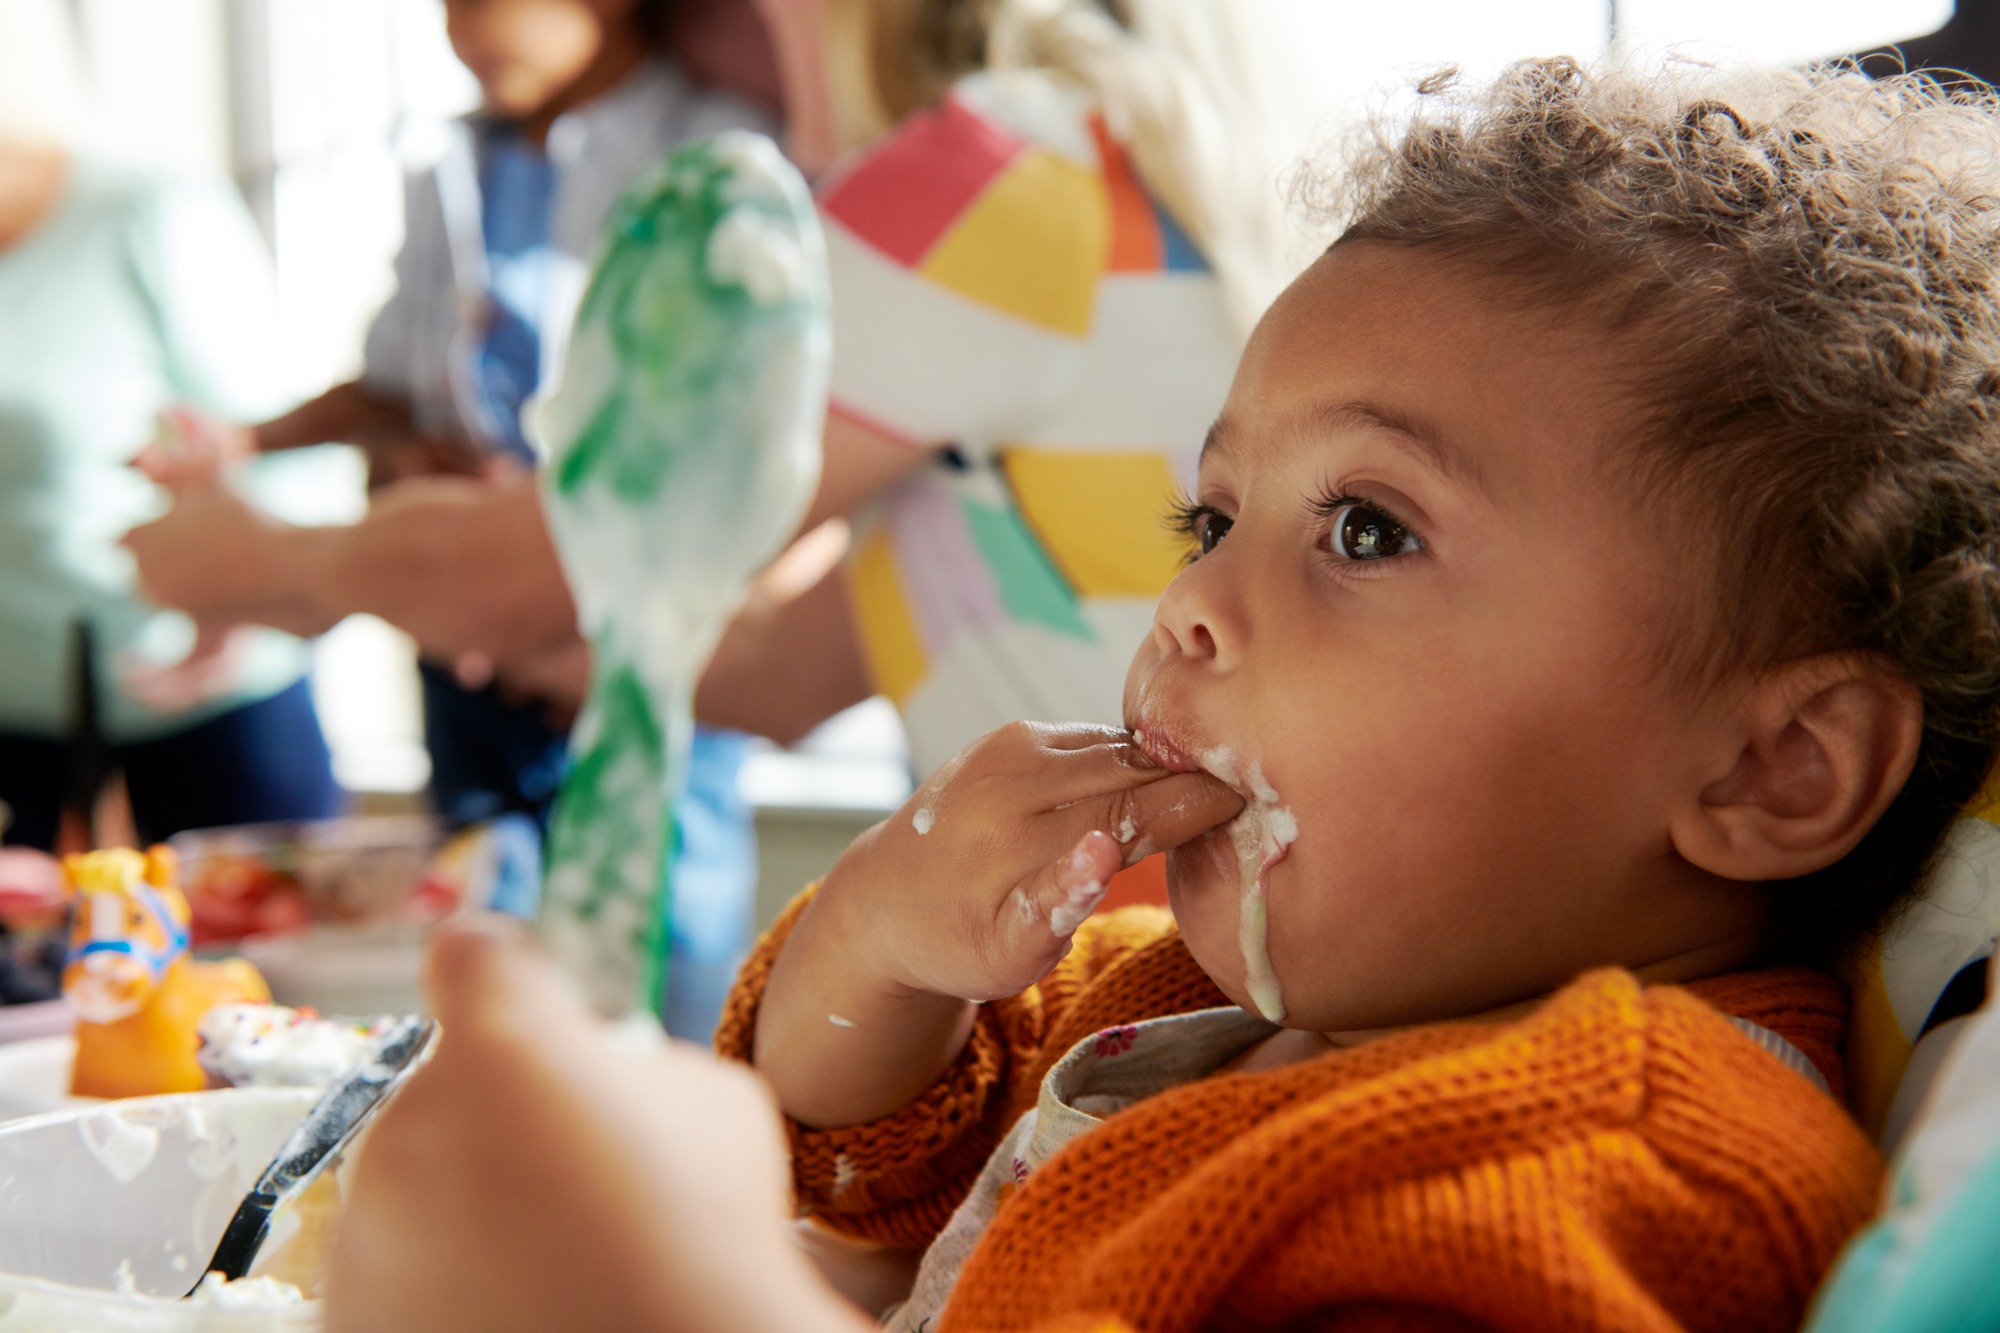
(923, 821)
(1259, 835)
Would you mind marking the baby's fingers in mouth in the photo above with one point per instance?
(1169, 812)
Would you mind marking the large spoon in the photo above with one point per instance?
(327, 1129)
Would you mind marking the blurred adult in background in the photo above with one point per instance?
(1039, 287)
(122, 290)
(579, 97)
(1042, 275)
(1083, 83)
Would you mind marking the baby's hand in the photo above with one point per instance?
(975, 887)
(540, 1174)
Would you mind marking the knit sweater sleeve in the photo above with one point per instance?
(896, 1180)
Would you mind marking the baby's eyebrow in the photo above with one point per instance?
(1410, 433)
(1218, 438)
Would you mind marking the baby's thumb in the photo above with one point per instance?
(1062, 896)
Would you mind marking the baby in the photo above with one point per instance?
(1592, 623)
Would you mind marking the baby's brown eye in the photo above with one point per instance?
(1203, 525)
(1362, 532)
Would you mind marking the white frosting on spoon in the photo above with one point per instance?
(1259, 836)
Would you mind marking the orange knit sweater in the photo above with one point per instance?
(1623, 1158)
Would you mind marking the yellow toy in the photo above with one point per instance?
(137, 995)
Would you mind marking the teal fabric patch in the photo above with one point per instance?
(1031, 588)
(1891, 1282)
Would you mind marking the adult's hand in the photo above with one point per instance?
(191, 449)
(218, 558)
(208, 671)
(463, 566)
(408, 457)
(557, 679)
(539, 1174)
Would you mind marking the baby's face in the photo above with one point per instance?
(1430, 615)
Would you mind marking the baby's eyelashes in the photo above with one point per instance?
(1355, 530)
(1203, 525)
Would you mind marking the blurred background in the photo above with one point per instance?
(317, 108)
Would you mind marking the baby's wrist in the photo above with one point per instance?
(859, 929)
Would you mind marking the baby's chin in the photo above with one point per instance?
(1202, 891)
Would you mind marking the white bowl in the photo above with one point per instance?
(47, 1018)
(34, 1079)
(108, 1213)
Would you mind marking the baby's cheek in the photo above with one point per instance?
(1138, 675)
(1360, 942)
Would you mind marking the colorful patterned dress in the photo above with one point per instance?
(1002, 284)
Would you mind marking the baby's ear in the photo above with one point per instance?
(1823, 744)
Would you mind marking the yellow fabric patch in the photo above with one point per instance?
(1032, 245)
(889, 640)
(1877, 1050)
(1986, 805)
(1101, 516)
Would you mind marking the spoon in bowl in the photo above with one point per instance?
(319, 1138)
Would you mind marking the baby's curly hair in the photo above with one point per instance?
(1808, 263)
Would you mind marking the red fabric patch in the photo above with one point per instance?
(905, 195)
(836, 408)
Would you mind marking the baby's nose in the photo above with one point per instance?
(1199, 616)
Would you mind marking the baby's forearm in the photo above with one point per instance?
(839, 1041)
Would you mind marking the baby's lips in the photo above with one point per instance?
(1162, 749)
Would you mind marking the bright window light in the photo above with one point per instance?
(1779, 30)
